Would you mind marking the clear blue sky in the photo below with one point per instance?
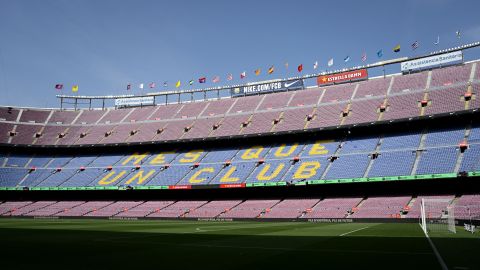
(102, 45)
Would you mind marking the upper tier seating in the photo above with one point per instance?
(379, 99)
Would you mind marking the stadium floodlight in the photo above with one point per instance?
(436, 215)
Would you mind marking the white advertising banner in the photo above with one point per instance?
(432, 61)
(137, 101)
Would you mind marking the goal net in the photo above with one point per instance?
(436, 215)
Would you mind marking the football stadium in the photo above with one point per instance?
(371, 166)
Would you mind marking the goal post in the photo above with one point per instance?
(437, 215)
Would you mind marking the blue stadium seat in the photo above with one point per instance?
(17, 161)
(39, 161)
(10, 177)
(392, 164)
(401, 141)
(83, 178)
(438, 160)
(359, 145)
(471, 159)
(170, 176)
(220, 155)
(348, 166)
(57, 178)
(444, 137)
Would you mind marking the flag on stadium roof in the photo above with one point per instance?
(315, 65)
(396, 48)
(75, 88)
(346, 59)
(300, 68)
(438, 41)
(129, 86)
(257, 72)
(286, 65)
(152, 85)
(414, 45)
(380, 53)
(216, 79)
(243, 75)
(330, 62)
(59, 86)
(165, 84)
(140, 86)
(271, 69)
(202, 80)
(364, 57)
(230, 77)
(190, 82)
(458, 33)
(177, 85)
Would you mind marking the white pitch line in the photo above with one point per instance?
(343, 234)
(437, 254)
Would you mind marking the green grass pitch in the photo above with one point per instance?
(153, 244)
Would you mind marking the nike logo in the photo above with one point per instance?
(290, 84)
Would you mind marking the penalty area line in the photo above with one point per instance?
(347, 233)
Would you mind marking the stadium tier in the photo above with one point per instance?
(394, 97)
(425, 152)
(385, 207)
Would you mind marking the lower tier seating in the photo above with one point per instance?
(388, 207)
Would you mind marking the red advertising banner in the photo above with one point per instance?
(241, 185)
(180, 187)
(356, 75)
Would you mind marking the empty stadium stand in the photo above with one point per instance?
(394, 97)
(432, 151)
(386, 207)
(396, 128)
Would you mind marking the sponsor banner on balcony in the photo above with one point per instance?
(180, 187)
(266, 87)
(437, 60)
(134, 101)
(348, 76)
(239, 185)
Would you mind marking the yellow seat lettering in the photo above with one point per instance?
(137, 158)
(141, 178)
(160, 158)
(280, 151)
(105, 180)
(306, 170)
(191, 156)
(195, 177)
(227, 177)
(252, 153)
(318, 148)
(262, 174)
